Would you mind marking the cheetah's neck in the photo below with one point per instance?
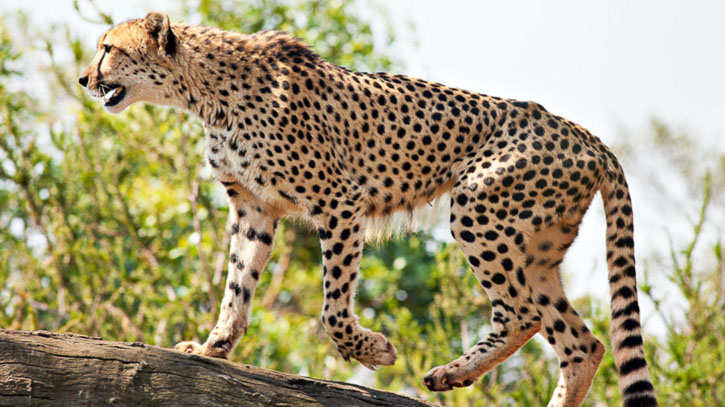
(225, 76)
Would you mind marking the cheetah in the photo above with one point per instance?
(289, 134)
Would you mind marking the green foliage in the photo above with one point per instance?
(112, 226)
(689, 363)
(335, 29)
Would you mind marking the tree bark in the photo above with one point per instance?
(42, 368)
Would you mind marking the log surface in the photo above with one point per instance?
(39, 368)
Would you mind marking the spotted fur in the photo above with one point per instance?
(291, 135)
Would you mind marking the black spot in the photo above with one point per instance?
(337, 248)
(520, 276)
(251, 234)
(473, 260)
(468, 236)
(543, 299)
(235, 287)
(336, 294)
(498, 278)
(265, 238)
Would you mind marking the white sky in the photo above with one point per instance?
(606, 65)
(602, 64)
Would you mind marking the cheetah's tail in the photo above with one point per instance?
(634, 379)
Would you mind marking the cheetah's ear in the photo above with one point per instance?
(158, 26)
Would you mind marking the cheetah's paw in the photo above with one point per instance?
(199, 349)
(370, 348)
(444, 378)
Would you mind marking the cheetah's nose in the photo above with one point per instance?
(83, 80)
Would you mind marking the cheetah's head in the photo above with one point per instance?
(129, 61)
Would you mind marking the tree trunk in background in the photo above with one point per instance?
(44, 368)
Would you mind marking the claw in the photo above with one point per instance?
(188, 347)
(446, 378)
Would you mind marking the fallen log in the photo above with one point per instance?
(44, 368)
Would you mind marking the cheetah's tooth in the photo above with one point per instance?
(110, 93)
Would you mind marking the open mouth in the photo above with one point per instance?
(112, 94)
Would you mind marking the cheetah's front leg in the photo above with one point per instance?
(251, 243)
(341, 240)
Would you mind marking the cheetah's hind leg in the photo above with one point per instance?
(494, 253)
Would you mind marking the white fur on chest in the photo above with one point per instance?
(234, 159)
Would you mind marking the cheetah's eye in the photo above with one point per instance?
(107, 48)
